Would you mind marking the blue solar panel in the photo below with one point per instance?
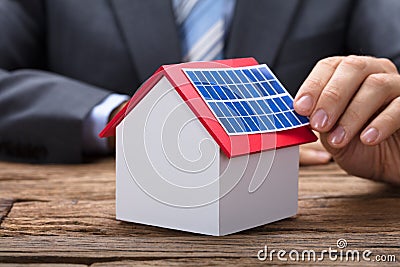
(246, 100)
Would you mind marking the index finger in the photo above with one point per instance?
(310, 90)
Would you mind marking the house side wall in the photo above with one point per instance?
(264, 188)
(167, 165)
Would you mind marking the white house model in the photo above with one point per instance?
(208, 147)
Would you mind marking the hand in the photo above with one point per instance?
(354, 102)
(111, 139)
(314, 154)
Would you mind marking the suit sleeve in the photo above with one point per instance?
(375, 29)
(41, 113)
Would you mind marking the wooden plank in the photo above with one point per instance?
(103, 249)
(5, 207)
(343, 187)
(336, 214)
(41, 265)
(66, 214)
(95, 181)
(202, 262)
(86, 231)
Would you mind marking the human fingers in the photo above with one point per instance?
(315, 145)
(376, 92)
(311, 156)
(384, 125)
(350, 74)
(321, 74)
(388, 65)
(310, 90)
(314, 153)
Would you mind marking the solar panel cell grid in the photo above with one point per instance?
(246, 100)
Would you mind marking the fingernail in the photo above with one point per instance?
(337, 136)
(319, 119)
(304, 103)
(370, 135)
(322, 155)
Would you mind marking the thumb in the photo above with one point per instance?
(310, 156)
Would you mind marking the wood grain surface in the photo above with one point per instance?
(64, 215)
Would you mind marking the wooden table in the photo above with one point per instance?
(65, 214)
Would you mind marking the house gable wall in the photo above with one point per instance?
(166, 164)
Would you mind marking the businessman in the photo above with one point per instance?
(65, 66)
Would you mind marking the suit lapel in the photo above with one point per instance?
(149, 29)
(259, 28)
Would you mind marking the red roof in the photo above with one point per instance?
(231, 145)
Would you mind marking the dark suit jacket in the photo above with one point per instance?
(59, 58)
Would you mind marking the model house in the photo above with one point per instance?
(208, 147)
